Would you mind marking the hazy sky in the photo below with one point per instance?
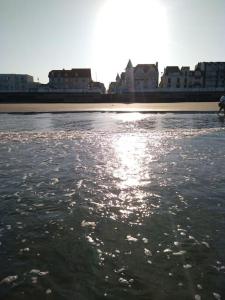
(37, 36)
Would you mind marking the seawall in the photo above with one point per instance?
(150, 97)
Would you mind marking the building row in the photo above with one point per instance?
(144, 78)
(139, 78)
(74, 80)
(209, 75)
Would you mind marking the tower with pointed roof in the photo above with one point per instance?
(129, 65)
(129, 77)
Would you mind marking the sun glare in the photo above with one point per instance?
(135, 29)
(130, 152)
(130, 117)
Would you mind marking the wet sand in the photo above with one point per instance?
(104, 107)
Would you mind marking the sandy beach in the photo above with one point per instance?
(108, 107)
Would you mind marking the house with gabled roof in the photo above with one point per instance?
(145, 77)
(171, 77)
(141, 78)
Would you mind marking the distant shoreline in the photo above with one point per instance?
(179, 107)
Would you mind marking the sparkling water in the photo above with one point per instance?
(112, 206)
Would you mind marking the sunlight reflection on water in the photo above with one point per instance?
(131, 204)
(130, 155)
(130, 117)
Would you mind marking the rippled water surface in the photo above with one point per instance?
(112, 206)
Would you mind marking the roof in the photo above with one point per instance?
(117, 77)
(122, 76)
(97, 84)
(112, 84)
(83, 73)
(15, 75)
(129, 65)
(172, 69)
(185, 68)
(212, 62)
(146, 67)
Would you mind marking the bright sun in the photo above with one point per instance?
(135, 29)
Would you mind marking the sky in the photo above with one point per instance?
(37, 36)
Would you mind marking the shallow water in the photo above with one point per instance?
(112, 206)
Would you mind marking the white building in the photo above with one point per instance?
(173, 78)
(213, 74)
(142, 78)
(146, 77)
(16, 82)
(74, 80)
